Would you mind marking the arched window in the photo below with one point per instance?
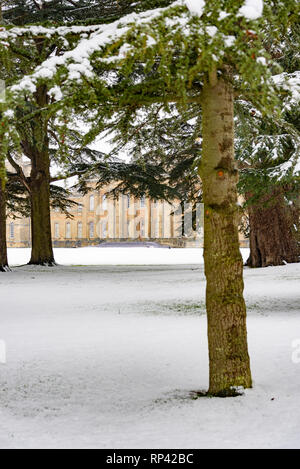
(143, 201)
(92, 203)
(79, 230)
(68, 229)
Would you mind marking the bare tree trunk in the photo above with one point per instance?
(3, 246)
(229, 363)
(273, 238)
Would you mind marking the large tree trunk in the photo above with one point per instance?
(42, 252)
(37, 149)
(273, 238)
(3, 246)
(229, 363)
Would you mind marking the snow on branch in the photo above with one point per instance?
(77, 60)
(196, 6)
(252, 9)
(289, 82)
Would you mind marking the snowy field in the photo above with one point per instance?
(104, 356)
(115, 256)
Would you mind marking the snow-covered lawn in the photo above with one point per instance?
(115, 256)
(106, 356)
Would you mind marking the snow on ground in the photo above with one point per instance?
(117, 256)
(106, 356)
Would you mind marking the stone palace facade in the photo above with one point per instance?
(98, 218)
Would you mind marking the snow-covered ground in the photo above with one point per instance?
(107, 355)
(114, 256)
(118, 256)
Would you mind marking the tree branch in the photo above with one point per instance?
(19, 171)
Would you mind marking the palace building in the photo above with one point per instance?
(97, 217)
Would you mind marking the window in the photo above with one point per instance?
(92, 203)
(11, 230)
(79, 208)
(156, 228)
(128, 228)
(79, 230)
(56, 230)
(91, 229)
(68, 230)
(104, 230)
(143, 202)
(142, 228)
(128, 201)
(104, 202)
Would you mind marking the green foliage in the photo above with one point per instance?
(21, 12)
(147, 66)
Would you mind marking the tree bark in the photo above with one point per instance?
(273, 238)
(229, 364)
(42, 251)
(3, 245)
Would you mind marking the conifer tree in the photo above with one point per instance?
(3, 245)
(34, 117)
(269, 153)
(207, 57)
(200, 58)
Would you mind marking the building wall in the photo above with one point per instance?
(98, 218)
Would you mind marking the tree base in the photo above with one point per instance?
(43, 263)
(232, 392)
(256, 262)
(4, 268)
